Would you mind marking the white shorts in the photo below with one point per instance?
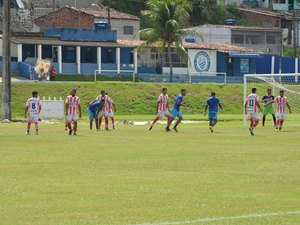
(160, 114)
(281, 116)
(33, 119)
(103, 113)
(253, 116)
(111, 115)
(72, 118)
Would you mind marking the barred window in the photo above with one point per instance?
(271, 39)
(237, 39)
(128, 30)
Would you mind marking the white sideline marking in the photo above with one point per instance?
(200, 220)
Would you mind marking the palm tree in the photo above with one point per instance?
(167, 20)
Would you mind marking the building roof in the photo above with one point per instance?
(270, 13)
(219, 47)
(242, 27)
(102, 13)
(98, 12)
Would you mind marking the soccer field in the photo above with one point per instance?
(134, 176)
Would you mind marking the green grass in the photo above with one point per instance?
(132, 98)
(133, 176)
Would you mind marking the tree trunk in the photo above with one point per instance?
(170, 62)
(6, 79)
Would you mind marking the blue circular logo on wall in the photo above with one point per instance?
(202, 61)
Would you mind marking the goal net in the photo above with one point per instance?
(290, 83)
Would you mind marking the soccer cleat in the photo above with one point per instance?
(74, 134)
(27, 133)
(150, 128)
(106, 129)
(175, 128)
(211, 129)
(168, 129)
(251, 131)
(66, 128)
(280, 129)
(70, 132)
(276, 130)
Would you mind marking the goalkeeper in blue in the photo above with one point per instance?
(212, 104)
(93, 111)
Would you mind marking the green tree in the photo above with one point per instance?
(167, 20)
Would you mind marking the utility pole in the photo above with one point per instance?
(53, 13)
(6, 78)
(295, 34)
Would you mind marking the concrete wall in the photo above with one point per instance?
(212, 34)
(118, 25)
(68, 18)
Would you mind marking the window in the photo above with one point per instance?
(109, 56)
(244, 66)
(271, 39)
(254, 39)
(237, 39)
(128, 30)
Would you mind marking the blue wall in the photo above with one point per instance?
(221, 62)
(81, 34)
(69, 68)
(88, 68)
(126, 55)
(264, 64)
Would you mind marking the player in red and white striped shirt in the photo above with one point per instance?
(32, 110)
(162, 107)
(111, 110)
(281, 102)
(251, 108)
(73, 110)
(105, 109)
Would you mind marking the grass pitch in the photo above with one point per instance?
(134, 176)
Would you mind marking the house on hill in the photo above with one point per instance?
(125, 24)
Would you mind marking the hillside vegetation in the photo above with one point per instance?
(132, 98)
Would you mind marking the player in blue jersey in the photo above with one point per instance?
(176, 111)
(93, 110)
(212, 104)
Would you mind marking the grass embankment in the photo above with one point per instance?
(132, 98)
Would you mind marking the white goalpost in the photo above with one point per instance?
(289, 82)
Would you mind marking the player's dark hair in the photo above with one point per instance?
(254, 90)
(182, 90)
(269, 89)
(34, 93)
(102, 92)
(281, 91)
(164, 89)
(213, 93)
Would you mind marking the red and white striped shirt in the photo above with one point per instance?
(107, 103)
(163, 102)
(33, 105)
(252, 102)
(73, 105)
(110, 105)
(281, 103)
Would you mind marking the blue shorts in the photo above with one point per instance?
(175, 113)
(92, 115)
(213, 116)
